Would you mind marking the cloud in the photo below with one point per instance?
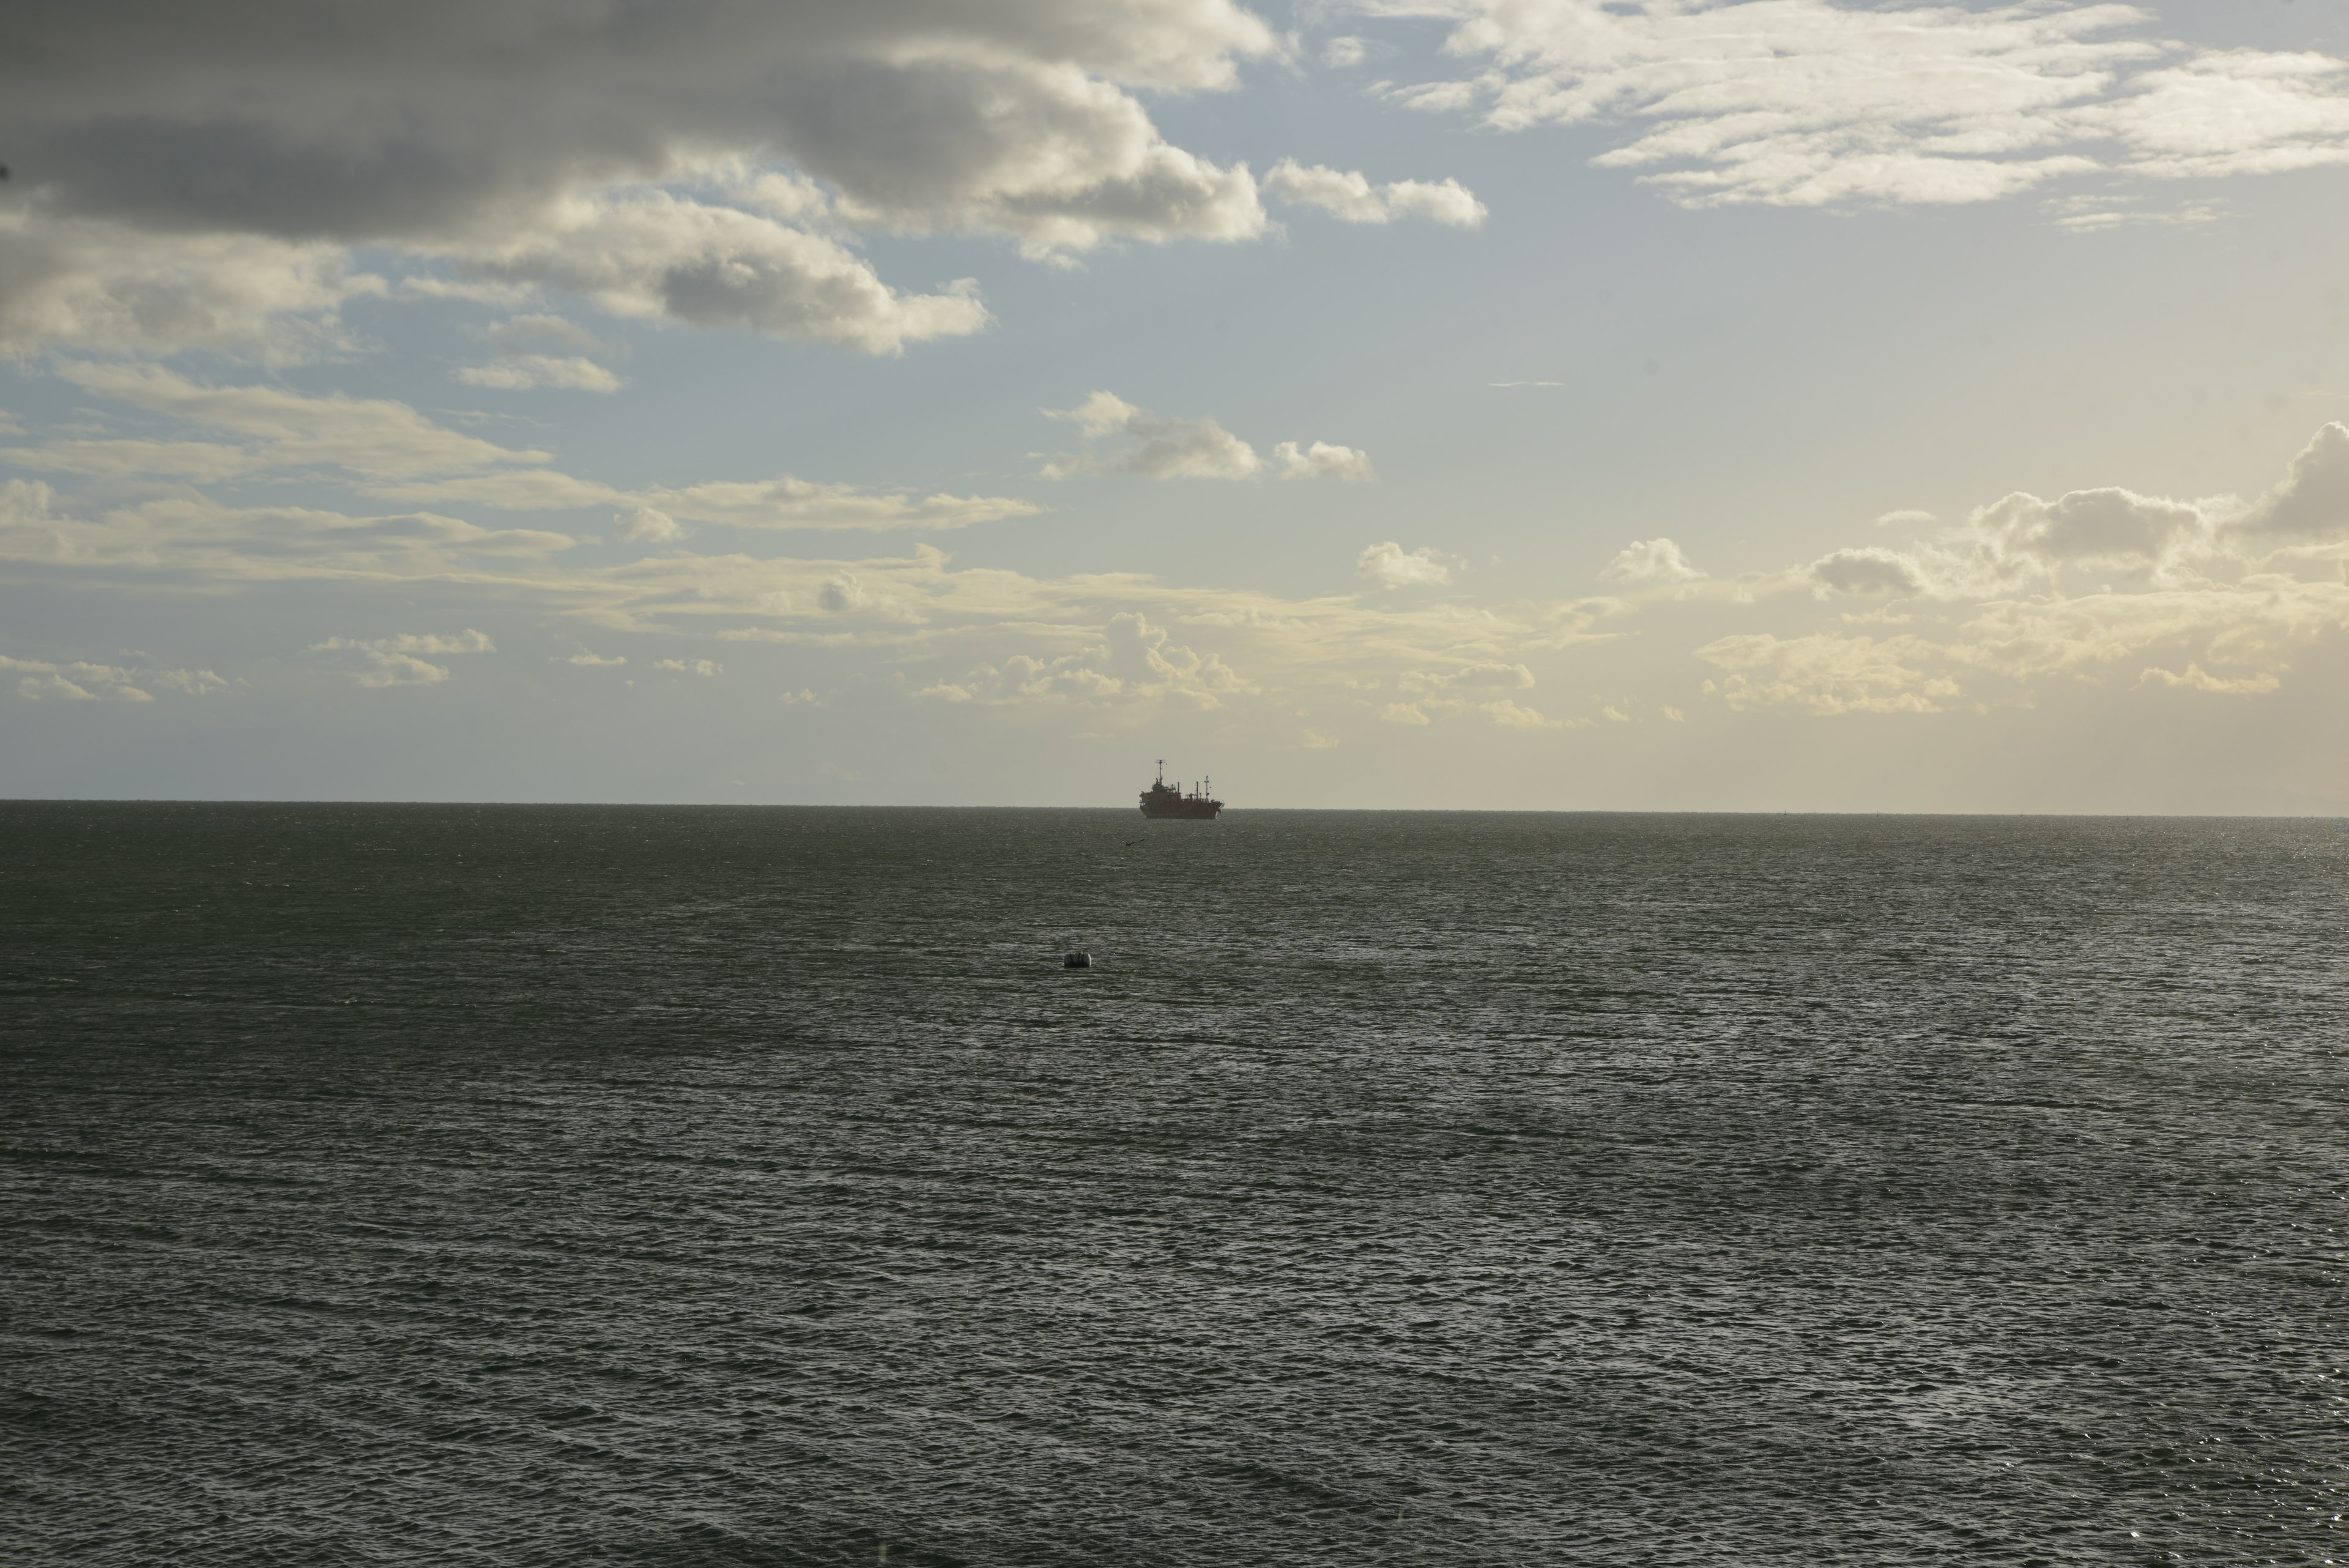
(194, 460)
(663, 256)
(2108, 525)
(525, 372)
(264, 153)
(1394, 566)
(701, 667)
(647, 525)
(2099, 586)
(2313, 501)
(1159, 448)
(1351, 196)
(1828, 674)
(591, 661)
(1344, 52)
(81, 681)
(389, 450)
(111, 287)
(371, 438)
(1133, 662)
(1650, 561)
(1487, 676)
(1809, 103)
(791, 502)
(394, 661)
(1323, 461)
(1512, 716)
(1868, 571)
(2196, 678)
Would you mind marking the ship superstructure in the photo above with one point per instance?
(1163, 799)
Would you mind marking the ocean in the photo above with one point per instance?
(517, 1185)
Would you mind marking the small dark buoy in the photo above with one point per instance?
(1078, 961)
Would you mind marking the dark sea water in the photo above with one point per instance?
(570, 1186)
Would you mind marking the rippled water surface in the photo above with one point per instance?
(522, 1185)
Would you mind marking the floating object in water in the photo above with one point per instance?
(1077, 960)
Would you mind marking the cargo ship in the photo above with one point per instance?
(1163, 799)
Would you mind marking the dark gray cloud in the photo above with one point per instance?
(371, 121)
(521, 139)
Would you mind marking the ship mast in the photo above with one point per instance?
(1162, 772)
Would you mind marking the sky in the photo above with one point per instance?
(1760, 405)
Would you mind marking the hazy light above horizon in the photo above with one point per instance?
(1748, 404)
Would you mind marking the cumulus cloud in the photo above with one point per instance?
(701, 667)
(1142, 443)
(1396, 567)
(2313, 501)
(591, 662)
(656, 254)
(396, 660)
(442, 131)
(1323, 461)
(1810, 102)
(1350, 195)
(1868, 571)
(2102, 586)
(1651, 561)
(1155, 448)
(647, 525)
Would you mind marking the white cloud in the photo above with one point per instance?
(372, 438)
(394, 661)
(789, 502)
(1323, 461)
(591, 661)
(1809, 103)
(83, 681)
(1133, 662)
(195, 460)
(388, 450)
(1350, 195)
(1829, 674)
(87, 283)
(1651, 561)
(701, 667)
(1396, 567)
(1157, 448)
(2194, 677)
(1514, 716)
(1345, 53)
(525, 372)
(659, 255)
(2313, 501)
(2100, 586)
(1485, 676)
(647, 525)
